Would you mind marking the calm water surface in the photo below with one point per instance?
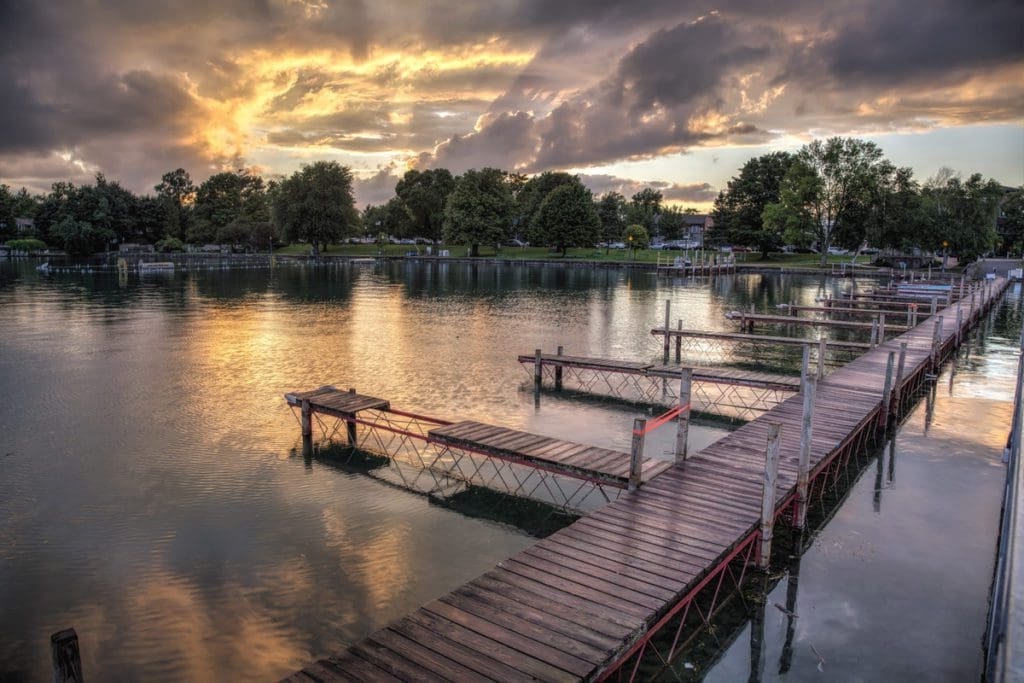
(151, 495)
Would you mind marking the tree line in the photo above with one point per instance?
(835, 192)
(843, 192)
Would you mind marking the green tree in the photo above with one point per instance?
(479, 210)
(530, 197)
(637, 237)
(424, 194)
(611, 210)
(826, 185)
(895, 219)
(81, 238)
(224, 198)
(961, 214)
(177, 192)
(7, 215)
(1012, 220)
(739, 208)
(315, 205)
(149, 217)
(567, 218)
(645, 209)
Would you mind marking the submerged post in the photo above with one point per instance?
(771, 471)
(822, 348)
(808, 388)
(67, 660)
(636, 453)
(668, 318)
(683, 425)
(306, 419)
(558, 373)
(538, 370)
(887, 389)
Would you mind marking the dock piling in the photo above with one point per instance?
(898, 384)
(683, 425)
(881, 328)
(679, 343)
(874, 332)
(935, 305)
(538, 370)
(636, 453)
(668, 319)
(887, 390)
(558, 373)
(771, 472)
(821, 358)
(805, 366)
(67, 660)
(804, 464)
(306, 419)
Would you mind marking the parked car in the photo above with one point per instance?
(617, 245)
(838, 251)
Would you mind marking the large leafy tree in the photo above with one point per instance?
(224, 198)
(961, 214)
(479, 209)
(825, 187)
(315, 204)
(645, 209)
(611, 210)
(567, 218)
(424, 193)
(532, 194)
(739, 208)
(177, 192)
(1012, 220)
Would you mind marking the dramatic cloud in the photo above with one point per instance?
(132, 91)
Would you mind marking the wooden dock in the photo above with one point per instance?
(744, 338)
(554, 455)
(750, 319)
(583, 603)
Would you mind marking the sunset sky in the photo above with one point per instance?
(672, 93)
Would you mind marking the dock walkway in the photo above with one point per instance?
(585, 600)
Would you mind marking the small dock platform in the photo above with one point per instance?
(331, 401)
(555, 455)
(750, 319)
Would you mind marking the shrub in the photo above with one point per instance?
(27, 244)
(169, 243)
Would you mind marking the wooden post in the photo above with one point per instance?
(808, 387)
(936, 336)
(913, 316)
(959, 323)
(683, 425)
(350, 425)
(558, 373)
(636, 453)
(874, 331)
(306, 419)
(538, 370)
(898, 384)
(771, 471)
(668, 314)
(887, 389)
(67, 660)
(679, 343)
(822, 350)
(881, 328)
(805, 366)
(935, 304)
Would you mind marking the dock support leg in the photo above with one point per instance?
(913, 315)
(668, 319)
(898, 384)
(538, 370)
(805, 365)
(683, 426)
(936, 337)
(558, 373)
(935, 305)
(822, 350)
(350, 426)
(959, 324)
(887, 390)
(67, 660)
(874, 332)
(771, 471)
(881, 328)
(306, 419)
(636, 453)
(679, 343)
(804, 464)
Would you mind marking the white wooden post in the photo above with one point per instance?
(683, 424)
(771, 472)
(636, 453)
(808, 388)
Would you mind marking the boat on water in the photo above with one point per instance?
(156, 266)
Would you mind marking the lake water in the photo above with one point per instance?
(152, 497)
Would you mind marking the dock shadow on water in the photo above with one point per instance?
(532, 517)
